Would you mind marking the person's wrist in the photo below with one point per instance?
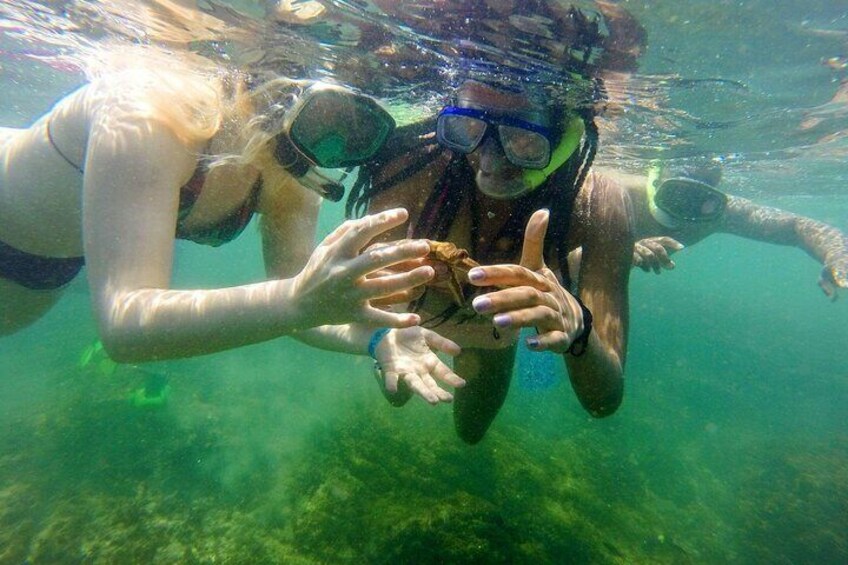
(285, 306)
(581, 342)
(374, 341)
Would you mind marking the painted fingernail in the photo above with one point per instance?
(532, 342)
(502, 320)
(476, 274)
(482, 304)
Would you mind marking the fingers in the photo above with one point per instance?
(532, 252)
(376, 259)
(390, 381)
(649, 259)
(429, 391)
(389, 285)
(541, 317)
(661, 258)
(402, 297)
(828, 288)
(444, 374)
(549, 341)
(513, 299)
(337, 234)
(638, 261)
(357, 234)
(670, 243)
(507, 275)
(382, 318)
(653, 253)
(443, 344)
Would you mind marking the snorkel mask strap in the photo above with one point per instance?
(533, 178)
(662, 217)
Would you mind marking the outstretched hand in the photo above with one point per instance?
(335, 286)
(407, 357)
(654, 253)
(533, 297)
(833, 278)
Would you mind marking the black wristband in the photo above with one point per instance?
(579, 345)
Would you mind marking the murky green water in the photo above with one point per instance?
(731, 444)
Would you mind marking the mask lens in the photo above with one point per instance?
(337, 129)
(691, 200)
(526, 149)
(460, 133)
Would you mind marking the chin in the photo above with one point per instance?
(500, 188)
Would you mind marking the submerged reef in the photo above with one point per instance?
(87, 476)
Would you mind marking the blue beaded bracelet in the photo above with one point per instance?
(375, 340)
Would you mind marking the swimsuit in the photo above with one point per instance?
(49, 273)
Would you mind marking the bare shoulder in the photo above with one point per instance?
(629, 181)
(604, 202)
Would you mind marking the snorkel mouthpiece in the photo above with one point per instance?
(533, 178)
(322, 182)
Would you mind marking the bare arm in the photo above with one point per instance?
(823, 242)
(744, 218)
(133, 171)
(531, 295)
(607, 234)
(289, 227)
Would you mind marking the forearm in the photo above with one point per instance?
(348, 338)
(821, 241)
(597, 377)
(151, 324)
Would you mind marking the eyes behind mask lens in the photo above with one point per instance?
(525, 144)
(690, 200)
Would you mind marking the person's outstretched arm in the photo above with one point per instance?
(825, 243)
(133, 171)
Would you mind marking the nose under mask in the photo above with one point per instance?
(493, 160)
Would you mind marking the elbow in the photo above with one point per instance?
(601, 404)
(120, 350)
(126, 346)
(607, 407)
(122, 333)
(603, 407)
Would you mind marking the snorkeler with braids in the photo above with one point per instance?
(504, 171)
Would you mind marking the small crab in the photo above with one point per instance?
(453, 283)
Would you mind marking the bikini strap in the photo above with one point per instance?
(59, 151)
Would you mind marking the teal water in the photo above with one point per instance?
(730, 447)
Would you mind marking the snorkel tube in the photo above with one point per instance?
(533, 178)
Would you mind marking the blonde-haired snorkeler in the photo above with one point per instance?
(161, 150)
(672, 207)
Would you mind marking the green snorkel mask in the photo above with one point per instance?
(330, 127)
(678, 200)
(533, 178)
